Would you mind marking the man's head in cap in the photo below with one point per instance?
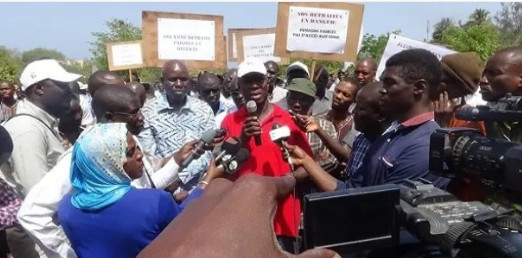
(6, 148)
(301, 95)
(296, 70)
(252, 81)
(460, 74)
(46, 85)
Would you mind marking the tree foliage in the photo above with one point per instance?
(373, 46)
(440, 27)
(482, 39)
(39, 53)
(509, 21)
(10, 65)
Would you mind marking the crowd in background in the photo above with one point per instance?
(95, 169)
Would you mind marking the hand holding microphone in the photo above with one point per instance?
(252, 127)
(207, 138)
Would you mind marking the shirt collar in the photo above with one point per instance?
(414, 121)
(162, 103)
(277, 112)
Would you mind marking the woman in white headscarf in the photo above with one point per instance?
(105, 216)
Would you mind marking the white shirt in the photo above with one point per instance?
(88, 118)
(225, 108)
(278, 94)
(37, 147)
(39, 208)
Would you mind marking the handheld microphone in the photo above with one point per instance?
(232, 165)
(279, 135)
(251, 106)
(229, 147)
(208, 137)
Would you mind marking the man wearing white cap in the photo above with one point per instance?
(266, 158)
(37, 142)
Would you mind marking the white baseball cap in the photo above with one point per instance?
(297, 66)
(40, 70)
(251, 65)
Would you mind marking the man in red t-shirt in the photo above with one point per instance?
(267, 159)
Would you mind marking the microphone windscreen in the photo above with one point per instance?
(208, 136)
(251, 106)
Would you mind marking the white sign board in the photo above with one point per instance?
(260, 46)
(126, 54)
(186, 39)
(319, 30)
(398, 43)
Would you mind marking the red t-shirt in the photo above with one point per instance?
(267, 160)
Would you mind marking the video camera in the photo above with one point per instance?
(371, 218)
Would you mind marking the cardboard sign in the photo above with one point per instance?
(325, 31)
(257, 43)
(124, 55)
(232, 41)
(195, 39)
(398, 43)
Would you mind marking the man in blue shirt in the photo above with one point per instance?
(409, 82)
(173, 119)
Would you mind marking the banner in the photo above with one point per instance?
(195, 39)
(260, 47)
(317, 30)
(124, 55)
(398, 43)
(186, 39)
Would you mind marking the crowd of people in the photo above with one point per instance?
(95, 169)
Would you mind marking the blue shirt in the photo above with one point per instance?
(400, 153)
(123, 228)
(361, 144)
(166, 130)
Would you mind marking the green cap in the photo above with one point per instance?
(303, 85)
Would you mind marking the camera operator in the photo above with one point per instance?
(503, 71)
(402, 152)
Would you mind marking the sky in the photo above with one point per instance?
(67, 27)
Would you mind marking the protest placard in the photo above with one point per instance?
(257, 43)
(398, 43)
(195, 39)
(325, 31)
(124, 55)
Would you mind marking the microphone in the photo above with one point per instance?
(208, 137)
(228, 148)
(279, 135)
(251, 106)
(232, 165)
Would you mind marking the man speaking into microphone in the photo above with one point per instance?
(266, 158)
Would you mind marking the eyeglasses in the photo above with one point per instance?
(132, 115)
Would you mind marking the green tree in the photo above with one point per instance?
(483, 39)
(39, 53)
(440, 27)
(509, 21)
(373, 46)
(10, 65)
(478, 17)
(118, 30)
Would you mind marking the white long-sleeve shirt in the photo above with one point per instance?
(38, 211)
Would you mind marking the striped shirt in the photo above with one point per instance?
(166, 130)
(321, 154)
(361, 144)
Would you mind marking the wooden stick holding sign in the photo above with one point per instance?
(312, 72)
(130, 75)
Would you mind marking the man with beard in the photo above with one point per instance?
(174, 118)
